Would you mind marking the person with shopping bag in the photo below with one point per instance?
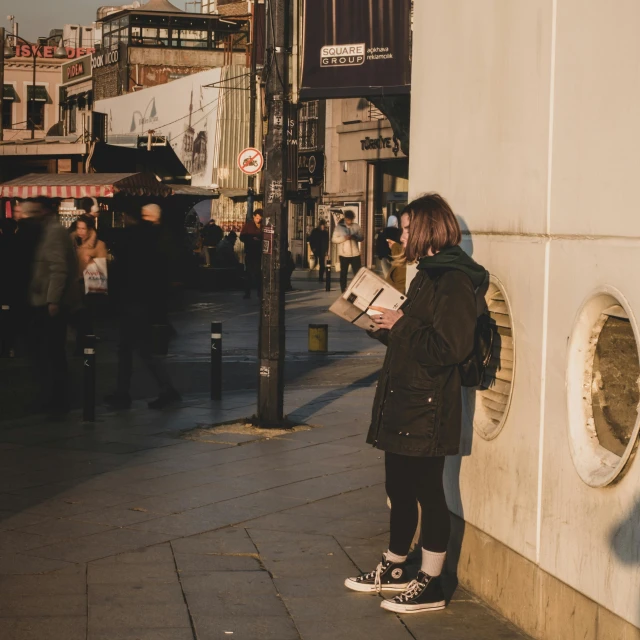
(92, 274)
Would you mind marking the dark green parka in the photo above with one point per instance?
(417, 409)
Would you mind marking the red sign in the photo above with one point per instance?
(28, 51)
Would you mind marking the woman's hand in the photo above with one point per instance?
(387, 317)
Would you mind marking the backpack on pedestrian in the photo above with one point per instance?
(473, 368)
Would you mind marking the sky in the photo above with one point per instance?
(37, 17)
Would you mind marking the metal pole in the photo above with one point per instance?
(272, 314)
(329, 253)
(216, 360)
(33, 96)
(89, 405)
(2, 43)
(252, 109)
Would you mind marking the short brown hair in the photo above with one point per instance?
(433, 226)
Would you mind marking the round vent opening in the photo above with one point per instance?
(489, 404)
(603, 379)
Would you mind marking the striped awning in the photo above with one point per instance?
(83, 185)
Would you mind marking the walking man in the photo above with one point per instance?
(348, 235)
(319, 243)
(143, 271)
(251, 236)
(53, 295)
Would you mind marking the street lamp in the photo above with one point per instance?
(8, 53)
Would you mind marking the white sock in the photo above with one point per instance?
(392, 557)
(432, 562)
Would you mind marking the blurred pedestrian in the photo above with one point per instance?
(397, 275)
(348, 235)
(212, 234)
(54, 296)
(251, 237)
(92, 274)
(420, 391)
(143, 278)
(319, 245)
(226, 252)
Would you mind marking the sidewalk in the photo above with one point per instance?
(353, 355)
(125, 530)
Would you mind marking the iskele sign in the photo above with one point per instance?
(356, 48)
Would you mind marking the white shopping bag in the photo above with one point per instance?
(95, 277)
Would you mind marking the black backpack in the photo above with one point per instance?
(473, 368)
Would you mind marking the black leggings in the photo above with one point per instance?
(410, 480)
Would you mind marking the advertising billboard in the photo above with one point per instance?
(356, 48)
(184, 111)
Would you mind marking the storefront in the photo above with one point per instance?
(76, 96)
(369, 174)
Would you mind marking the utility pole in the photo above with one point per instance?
(252, 108)
(3, 44)
(272, 314)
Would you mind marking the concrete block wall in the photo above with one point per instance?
(528, 126)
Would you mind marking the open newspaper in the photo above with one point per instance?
(366, 289)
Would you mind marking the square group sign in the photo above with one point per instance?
(356, 48)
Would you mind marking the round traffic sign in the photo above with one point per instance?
(250, 161)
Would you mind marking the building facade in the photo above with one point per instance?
(532, 136)
(158, 42)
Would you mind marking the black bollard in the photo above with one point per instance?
(327, 275)
(216, 360)
(5, 324)
(89, 405)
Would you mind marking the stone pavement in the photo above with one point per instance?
(125, 530)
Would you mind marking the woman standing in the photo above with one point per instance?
(417, 412)
(88, 249)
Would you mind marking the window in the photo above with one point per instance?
(10, 96)
(192, 38)
(7, 114)
(35, 115)
(73, 118)
(602, 385)
(36, 106)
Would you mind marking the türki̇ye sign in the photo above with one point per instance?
(28, 51)
(372, 144)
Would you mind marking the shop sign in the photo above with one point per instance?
(77, 70)
(105, 59)
(376, 144)
(28, 51)
(356, 48)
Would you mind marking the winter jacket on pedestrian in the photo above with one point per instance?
(417, 409)
(347, 238)
(319, 241)
(55, 268)
(398, 274)
(88, 250)
(212, 234)
(251, 236)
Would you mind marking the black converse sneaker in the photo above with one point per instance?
(423, 594)
(388, 576)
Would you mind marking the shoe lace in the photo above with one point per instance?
(376, 576)
(412, 590)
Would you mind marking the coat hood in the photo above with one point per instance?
(456, 258)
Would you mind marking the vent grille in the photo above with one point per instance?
(489, 404)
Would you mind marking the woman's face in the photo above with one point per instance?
(405, 223)
(81, 230)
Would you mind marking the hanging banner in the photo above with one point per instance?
(356, 48)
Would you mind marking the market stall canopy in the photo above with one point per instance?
(82, 185)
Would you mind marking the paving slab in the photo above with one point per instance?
(124, 530)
